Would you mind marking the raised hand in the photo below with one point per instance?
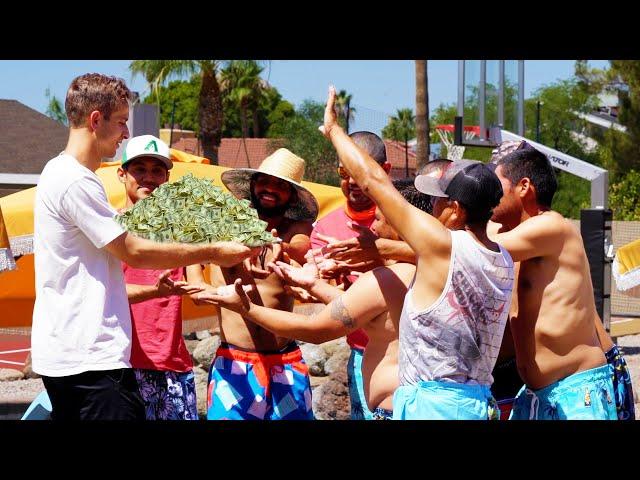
(330, 115)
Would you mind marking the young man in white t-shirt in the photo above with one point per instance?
(81, 333)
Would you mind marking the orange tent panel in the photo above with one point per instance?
(17, 293)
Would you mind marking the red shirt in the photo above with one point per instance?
(156, 323)
(335, 225)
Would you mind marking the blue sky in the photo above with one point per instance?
(379, 87)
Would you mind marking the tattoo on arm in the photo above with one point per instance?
(339, 312)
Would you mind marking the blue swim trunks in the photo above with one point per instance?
(248, 385)
(622, 389)
(586, 395)
(359, 409)
(444, 401)
(167, 395)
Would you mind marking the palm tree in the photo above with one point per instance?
(343, 105)
(401, 127)
(55, 110)
(242, 83)
(210, 114)
(422, 114)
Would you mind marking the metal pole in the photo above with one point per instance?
(538, 121)
(482, 99)
(461, 88)
(521, 97)
(173, 112)
(501, 95)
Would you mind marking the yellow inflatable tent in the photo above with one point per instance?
(17, 292)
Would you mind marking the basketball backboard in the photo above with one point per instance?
(490, 97)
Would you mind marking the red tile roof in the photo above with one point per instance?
(396, 155)
(232, 153)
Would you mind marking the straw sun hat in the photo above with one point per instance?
(282, 164)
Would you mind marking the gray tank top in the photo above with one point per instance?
(458, 337)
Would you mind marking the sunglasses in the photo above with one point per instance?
(343, 173)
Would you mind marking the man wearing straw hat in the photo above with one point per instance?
(255, 374)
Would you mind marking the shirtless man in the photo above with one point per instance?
(375, 301)
(454, 313)
(558, 350)
(256, 374)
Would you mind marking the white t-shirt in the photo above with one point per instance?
(81, 319)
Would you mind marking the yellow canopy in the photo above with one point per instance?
(17, 292)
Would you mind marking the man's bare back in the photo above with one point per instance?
(554, 332)
(380, 360)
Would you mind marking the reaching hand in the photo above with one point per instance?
(330, 115)
(303, 277)
(166, 286)
(255, 265)
(232, 297)
(357, 249)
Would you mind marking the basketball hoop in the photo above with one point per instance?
(445, 132)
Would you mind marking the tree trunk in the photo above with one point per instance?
(244, 126)
(406, 157)
(210, 116)
(422, 114)
(256, 123)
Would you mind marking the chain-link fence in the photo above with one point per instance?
(367, 119)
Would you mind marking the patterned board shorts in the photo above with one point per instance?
(167, 395)
(382, 414)
(247, 385)
(622, 389)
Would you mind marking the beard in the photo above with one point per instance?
(270, 212)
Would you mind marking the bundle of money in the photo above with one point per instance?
(194, 210)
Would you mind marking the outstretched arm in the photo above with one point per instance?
(347, 312)
(141, 253)
(306, 277)
(425, 235)
(163, 287)
(539, 236)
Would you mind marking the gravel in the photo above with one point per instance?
(20, 390)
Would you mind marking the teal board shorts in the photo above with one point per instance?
(444, 401)
(586, 395)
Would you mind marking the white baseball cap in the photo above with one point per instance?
(147, 146)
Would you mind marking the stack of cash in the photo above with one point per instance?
(194, 210)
